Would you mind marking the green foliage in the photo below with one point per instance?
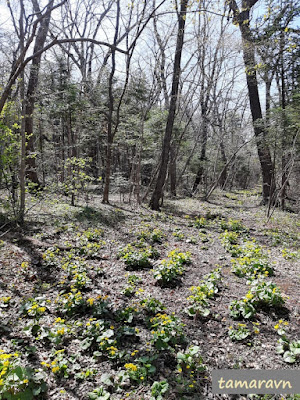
(233, 225)
(140, 371)
(167, 331)
(247, 266)
(71, 302)
(136, 258)
(159, 389)
(290, 350)
(155, 235)
(241, 332)
(19, 382)
(190, 361)
(200, 222)
(189, 368)
(99, 394)
(229, 238)
(35, 307)
(242, 309)
(152, 306)
(200, 294)
(77, 179)
(169, 271)
(262, 294)
(130, 290)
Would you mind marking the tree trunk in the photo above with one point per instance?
(242, 18)
(202, 158)
(256, 113)
(31, 172)
(111, 100)
(172, 171)
(158, 190)
(223, 177)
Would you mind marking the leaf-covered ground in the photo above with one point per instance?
(94, 318)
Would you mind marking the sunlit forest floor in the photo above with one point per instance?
(119, 302)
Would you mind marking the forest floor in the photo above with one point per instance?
(95, 318)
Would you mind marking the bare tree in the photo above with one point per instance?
(158, 190)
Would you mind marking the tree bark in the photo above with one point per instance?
(31, 171)
(158, 190)
(242, 18)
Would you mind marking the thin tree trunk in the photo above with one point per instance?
(158, 190)
(223, 177)
(284, 158)
(172, 171)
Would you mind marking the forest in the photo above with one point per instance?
(149, 196)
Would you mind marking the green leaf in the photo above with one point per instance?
(289, 357)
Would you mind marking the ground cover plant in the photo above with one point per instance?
(145, 312)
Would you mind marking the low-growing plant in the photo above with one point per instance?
(71, 302)
(200, 222)
(155, 235)
(59, 364)
(169, 270)
(266, 294)
(190, 361)
(99, 394)
(91, 235)
(50, 257)
(159, 389)
(290, 255)
(152, 306)
(88, 374)
(17, 381)
(5, 301)
(127, 314)
(207, 289)
(141, 369)
(137, 259)
(290, 350)
(178, 234)
(190, 366)
(130, 290)
(261, 294)
(240, 332)
(91, 249)
(233, 225)
(229, 239)
(247, 266)
(167, 331)
(242, 309)
(94, 332)
(35, 308)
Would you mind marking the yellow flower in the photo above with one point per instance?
(276, 326)
(55, 369)
(131, 366)
(142, 378)
(25, 381)
(90, 301)
(6, 363)
(1, 382)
